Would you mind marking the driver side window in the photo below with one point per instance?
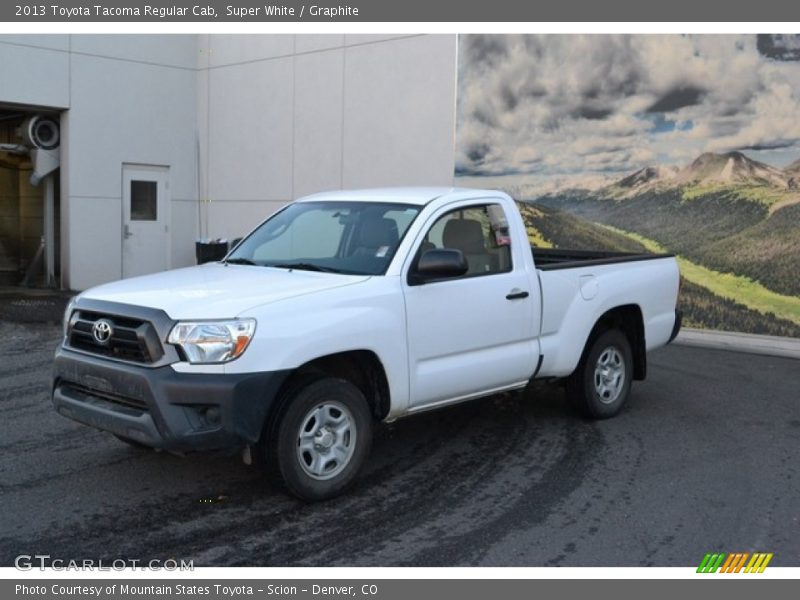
(479, 232)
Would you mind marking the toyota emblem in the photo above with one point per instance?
(102, 331)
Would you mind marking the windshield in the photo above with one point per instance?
(338, 237)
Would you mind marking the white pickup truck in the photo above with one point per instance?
(351, 307)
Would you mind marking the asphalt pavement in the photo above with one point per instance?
(704, 458)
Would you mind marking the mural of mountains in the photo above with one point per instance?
(709, 169)
(793, 173)
(733, 221)
(605, 139)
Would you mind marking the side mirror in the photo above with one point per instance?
(439, 264)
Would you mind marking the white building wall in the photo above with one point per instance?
(271, 118)
(132, 100)
(129, 98)
(34, 69)
(282, 116)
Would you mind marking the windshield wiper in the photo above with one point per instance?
(239, 261)
(301, 266)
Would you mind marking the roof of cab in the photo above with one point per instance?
(402, 195)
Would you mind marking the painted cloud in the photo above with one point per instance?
(558, 105)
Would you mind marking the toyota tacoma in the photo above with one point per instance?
(351, 307)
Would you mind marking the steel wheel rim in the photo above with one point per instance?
(326, 440)
(609, 375)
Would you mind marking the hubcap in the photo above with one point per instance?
(326, 440)
(609, 375)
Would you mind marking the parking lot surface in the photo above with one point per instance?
(704, 458)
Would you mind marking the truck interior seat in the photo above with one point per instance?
(467, 235)
(376, 236)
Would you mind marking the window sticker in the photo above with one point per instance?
(502, 238)
(381, 252)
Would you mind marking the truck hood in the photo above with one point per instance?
(215, 290)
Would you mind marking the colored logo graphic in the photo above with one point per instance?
(735, 562)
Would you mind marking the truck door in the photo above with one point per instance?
(476, 333)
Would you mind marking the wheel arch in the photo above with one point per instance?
(629, 320)
(362, 368)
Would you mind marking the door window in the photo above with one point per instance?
(144, 200)
(480, 232)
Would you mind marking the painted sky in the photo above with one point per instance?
(558, 105)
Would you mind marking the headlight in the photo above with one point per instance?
(212, 341)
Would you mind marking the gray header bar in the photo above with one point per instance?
(397, 11)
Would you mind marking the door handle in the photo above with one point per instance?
(126, 232)
(516, 294)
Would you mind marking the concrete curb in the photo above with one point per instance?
(740, 342)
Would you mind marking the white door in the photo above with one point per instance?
(145, 219)
(475, 333)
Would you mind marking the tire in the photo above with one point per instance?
(600, 386)
(322, 438)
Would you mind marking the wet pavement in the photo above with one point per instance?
(704, 458)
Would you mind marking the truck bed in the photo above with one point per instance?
(550, 259)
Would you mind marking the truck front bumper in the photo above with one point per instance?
(162, 408)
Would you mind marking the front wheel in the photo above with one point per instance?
(601, 384)
(323, 438)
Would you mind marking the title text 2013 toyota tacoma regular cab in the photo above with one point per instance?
(351, 307)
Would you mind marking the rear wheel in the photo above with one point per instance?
(601, 384)
(322, 438)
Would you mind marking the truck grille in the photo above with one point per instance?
(129, 339)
